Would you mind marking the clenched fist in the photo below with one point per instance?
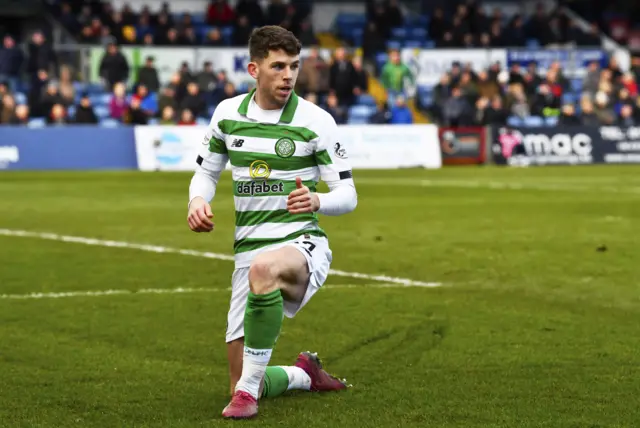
(302, 200)
(200, 215)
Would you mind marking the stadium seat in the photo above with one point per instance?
(533, 44)
(533, 121)
(419, 33)
(109, 123)
(413, 44)
(37, 122)
(577, 85)
(356, 36)
(514, 121)
(366, 99)
(361, 113)
(94, 88)
(394, 44)
(227, 34)
(399, 33)
(202, 121)
(20, 98)
(105, 99)
(152, 121)
(568, 98)
(429, 44)
(71, 111)
(101, 111)
(79, 87)
(551, 121)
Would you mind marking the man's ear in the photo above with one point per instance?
(252, 68)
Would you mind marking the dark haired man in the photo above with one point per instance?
(279, 147)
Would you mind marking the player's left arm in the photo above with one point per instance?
(335, 170)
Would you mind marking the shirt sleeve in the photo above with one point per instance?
(335, 170)
(211, 161)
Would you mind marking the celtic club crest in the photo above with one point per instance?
(285, 147)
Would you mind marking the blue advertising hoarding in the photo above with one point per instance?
(574, 63)
(67, 148)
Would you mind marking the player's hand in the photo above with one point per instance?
(200, 216)
(302, 200)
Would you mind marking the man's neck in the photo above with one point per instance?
(264, 105)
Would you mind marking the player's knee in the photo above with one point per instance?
(263, 276)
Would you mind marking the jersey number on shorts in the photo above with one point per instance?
(311, 246)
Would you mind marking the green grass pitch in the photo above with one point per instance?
(536, 324)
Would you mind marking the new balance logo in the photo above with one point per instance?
(237, 143)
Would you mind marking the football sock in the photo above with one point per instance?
(262, 323)
(279, 379)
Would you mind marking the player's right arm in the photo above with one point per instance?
(210, 163)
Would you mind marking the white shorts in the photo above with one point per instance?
(318, 254)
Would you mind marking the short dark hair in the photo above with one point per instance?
(272, 38)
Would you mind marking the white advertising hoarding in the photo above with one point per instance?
(175, 148)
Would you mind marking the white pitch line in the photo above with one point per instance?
(194, 253)
(497, 185)
(180, 290)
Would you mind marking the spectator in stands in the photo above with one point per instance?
(626, 116)
(372, 44)
(168, 116)
(38, 84)
(400, 112)
(629, 82)
(68, 19)
(568, 116)
(545, 103)
(58, 115)
(515, 32)
(51, 97)
(41, 55)
(456, 109)
(333, 107)
(11, 60)
(395, 73)
(206, 79)
(167, 99)
(214, 38)
(148, 102)
(187, 118)
(592, 78)
(587, 113)
(84, 111)
(313, 75)
(148, 75)
(65, 86)
(486, 87)
(194, 101)
(305, 33)
(8, 109)
(252, 10)
(361, 77)
(438, 25)
(342, 78)
(381, 116)
(312, 98)
(603, 110)
(516, 102)
(4, 90)
(242, 31)
(21, 116)
(114, 67)
(134, 115)
(220, 13)
(118, 103)
(276, 12)
(624, 98)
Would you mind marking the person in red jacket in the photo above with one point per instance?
(220, 13)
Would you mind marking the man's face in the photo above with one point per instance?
(276, 76)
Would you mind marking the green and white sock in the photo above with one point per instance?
(279, 379)
(262, 324)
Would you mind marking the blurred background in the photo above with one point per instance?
(453, 63)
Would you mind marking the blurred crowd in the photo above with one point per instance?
(218, 25)
(604, 96)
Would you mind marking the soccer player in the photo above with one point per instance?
(279, 146)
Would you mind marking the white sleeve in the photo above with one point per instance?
(211, 161)
(335, 170)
